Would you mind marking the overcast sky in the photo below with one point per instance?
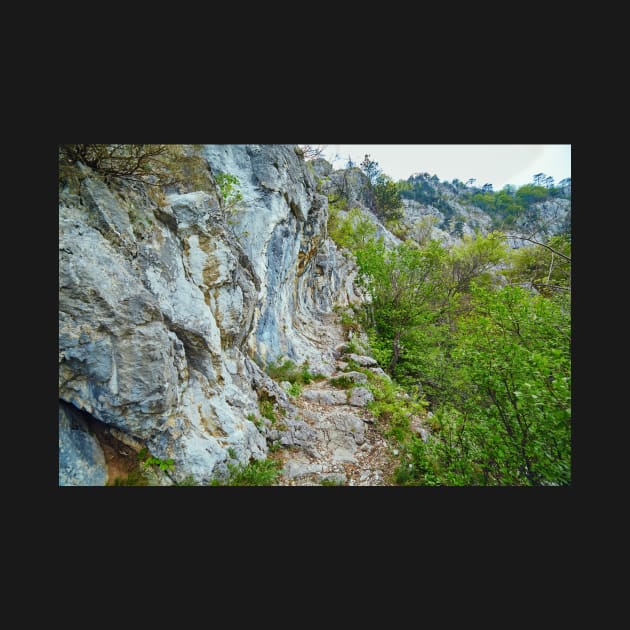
(497, 164)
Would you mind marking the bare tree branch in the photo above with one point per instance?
(531, 240)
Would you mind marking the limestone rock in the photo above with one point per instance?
(165, 309)
(379, 372)
(355, 377)
(326, 396)
(81, 459)
(360, 397)
(363, 361)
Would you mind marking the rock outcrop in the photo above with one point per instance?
(166, 309)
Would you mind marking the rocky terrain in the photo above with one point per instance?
(168, 312)
(172, 307)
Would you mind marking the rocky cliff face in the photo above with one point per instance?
(166, 310)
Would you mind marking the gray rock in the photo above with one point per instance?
(299, 468)
(81, 459)
(362, 360)
(416, 426)
(321, 168)
(360, 397)
(162, 306)
(326, 396)
(355, 377)
(379, 372)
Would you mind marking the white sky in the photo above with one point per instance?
(497, 164)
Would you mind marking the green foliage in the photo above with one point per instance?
(228, 186)
(393, 407)
(473, 258)
(387, 198)
(267, 410)
(163, 464)
(256, 473)
(511, 423)
(370, 168)
(289, 371)
(540, 268)
(295, 390)
(404, 284)
(354, 231)
(495, 363)
(349, 322)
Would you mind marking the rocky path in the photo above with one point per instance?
(340, 443)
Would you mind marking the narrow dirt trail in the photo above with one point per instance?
(346, 447)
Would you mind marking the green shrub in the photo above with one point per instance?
(289, 371)
(257, 473)
(164, 464)
(295, 390)
(267, 410)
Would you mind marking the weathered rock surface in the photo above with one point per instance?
(81, 459)
(360, 396)
(345, 449)
(326, 396)
(163, 307)
(363, 361)
(356, 377)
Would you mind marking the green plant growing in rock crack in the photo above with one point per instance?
(231, 196)
(257, 473)
(293, 373)
(147, 460)
(295, 390)
(267, 410)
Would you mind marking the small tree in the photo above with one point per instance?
(370, 168)
(157, 165)
(389, 205)
(312, 151)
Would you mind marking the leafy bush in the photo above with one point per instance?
(256, 473)
(267, 410)
(295, 390)
(387, 197)
(163, 464)
(289, 371)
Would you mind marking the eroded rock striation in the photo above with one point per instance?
(167, 308)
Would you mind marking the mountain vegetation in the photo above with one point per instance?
(478, 331)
